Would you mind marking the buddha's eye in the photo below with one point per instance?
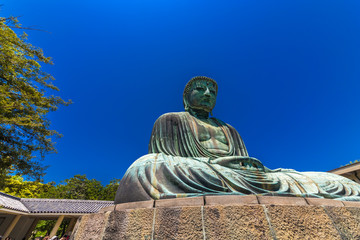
(213, 92)
(199, 88)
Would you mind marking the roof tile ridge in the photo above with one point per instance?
(16, 209)
(10, 196)
(345, 166)
(63, 200)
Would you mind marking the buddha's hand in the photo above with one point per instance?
(283, 170)
(239, 162)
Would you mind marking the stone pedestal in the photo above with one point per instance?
(224, 217)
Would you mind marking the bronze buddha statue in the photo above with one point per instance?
(192, 154)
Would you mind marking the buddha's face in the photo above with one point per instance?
(202, 95)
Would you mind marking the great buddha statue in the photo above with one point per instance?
(192, 154)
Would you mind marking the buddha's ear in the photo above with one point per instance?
(186, 108)
(186, 104)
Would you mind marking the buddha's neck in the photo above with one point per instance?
(199, 113)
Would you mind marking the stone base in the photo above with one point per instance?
(224, 217)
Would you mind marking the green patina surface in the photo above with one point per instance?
(192, 154)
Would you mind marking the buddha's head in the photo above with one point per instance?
(200, 94)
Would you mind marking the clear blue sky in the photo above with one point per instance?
(288, 75)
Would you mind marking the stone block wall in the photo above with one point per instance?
(224, 217)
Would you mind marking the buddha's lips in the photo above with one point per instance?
(207, 100)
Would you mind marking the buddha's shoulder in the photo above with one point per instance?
(173, 116)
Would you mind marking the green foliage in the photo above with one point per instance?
(109, 190)
(24, 128)
(80, 187)
(77, 187)
(16, 186)
(357, 160)
(43, 228)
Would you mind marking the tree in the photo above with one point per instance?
(109, 191)
(25, 134)
(79, 187)
(17, 186)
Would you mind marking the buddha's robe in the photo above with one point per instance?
(178, 165)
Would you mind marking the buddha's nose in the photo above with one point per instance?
(207, 92)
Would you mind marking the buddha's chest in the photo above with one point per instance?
(211, 135)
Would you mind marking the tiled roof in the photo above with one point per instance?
(13, 203)
(41, 205)
(38, 205)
